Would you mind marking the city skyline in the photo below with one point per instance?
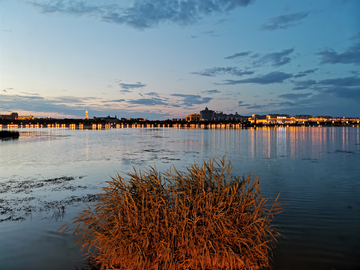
(165, 59)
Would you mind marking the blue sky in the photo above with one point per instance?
(161, 59)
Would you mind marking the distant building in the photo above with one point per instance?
(30, 117)
(219, 116)
(259, 119)
(237, 117)
(193, 117)
(12, 116)
(86, 115)
(206, 115)
(303, 116)
(272, 119)
(209, 115)
(15, 116)
(108, 119)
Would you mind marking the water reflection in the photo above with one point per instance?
(6, 135)
(294, 142)
(316, 170)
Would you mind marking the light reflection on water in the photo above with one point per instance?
(316, 170)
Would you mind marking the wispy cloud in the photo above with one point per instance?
(319, 85)
(348, 81)
(128, 87)
(292, 96)
(70, 99)
(357, 36)
(273, 77)
(256, 106)
(237, 55)
(155, 94)
(305, 73)
(211, 92)
(276, 59)
(345, 92)
(206, 33)
(145, 13)
(191, 100)
(242, 104)
(302, 85)
(147, 101)
(346, 88)
(38, 104)
(114, 100)
(350, 56)
(69, 7)
(211, 72)
(284, 21)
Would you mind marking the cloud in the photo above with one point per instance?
(241, 104)
(348, 87)
(284, 21)
(54, 107)
(345, 92)
(292, 96)
(337, 82)
(255, 106)
(69, 7)
(212, 72)
(206, 33)
(273, 77)
(350, 56)
(70, 99)
(276, 59)
(147, 101)
(190, 100)
(305, 73)
(355, 36)
(37, 104)
(236, 55)
(130, 86)
(301, 85)
(116, 100)
(348, 81)
(145, 13)
(210, 92)
(152, 94)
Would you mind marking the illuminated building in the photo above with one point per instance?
(193, 117)
(206, 115)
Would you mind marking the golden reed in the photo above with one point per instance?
(204, 218)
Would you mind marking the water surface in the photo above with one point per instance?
(315, 169)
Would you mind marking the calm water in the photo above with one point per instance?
(316, 170)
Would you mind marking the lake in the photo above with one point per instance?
(47, 176)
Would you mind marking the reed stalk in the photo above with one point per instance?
(204, 218)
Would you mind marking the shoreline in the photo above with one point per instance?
(155, 124)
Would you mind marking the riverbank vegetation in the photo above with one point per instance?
(204, 218)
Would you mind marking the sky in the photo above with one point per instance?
(164, 59)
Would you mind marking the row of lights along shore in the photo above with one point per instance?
(118, 126)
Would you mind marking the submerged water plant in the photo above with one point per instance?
(204, 218)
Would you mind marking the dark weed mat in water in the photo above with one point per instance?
(28, 186)
(19, 209)
(15, 207)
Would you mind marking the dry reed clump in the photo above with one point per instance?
(205, 218)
